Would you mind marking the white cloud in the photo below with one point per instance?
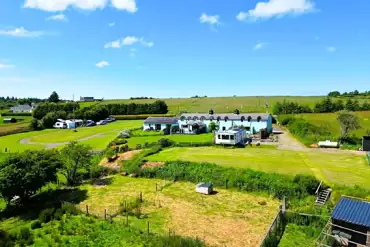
(146, 43)
(211, 19)
(6, 66)
(130, 40)
(21, 32)
(114, 44)
(259, 46)
(61, 5)
(277, 8)
(331, 49)
(102, 64)
(129, 5)
(60, 17)
(241, 16)
(111, 24)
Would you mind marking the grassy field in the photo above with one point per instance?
(303, 236)
(133, 141)
(98, 137)
(224, 219)
(222, 104)
(329, 120)
(334, 168)
(22, 122)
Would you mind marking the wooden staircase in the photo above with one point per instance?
(322, 197)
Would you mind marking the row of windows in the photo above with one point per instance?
(225, 137)
(218, 119)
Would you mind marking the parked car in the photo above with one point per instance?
(60, 125)
(90, 123)
(110, 119)
(101, 122)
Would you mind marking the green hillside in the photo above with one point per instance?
(222, 104)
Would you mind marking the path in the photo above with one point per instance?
(50, 145)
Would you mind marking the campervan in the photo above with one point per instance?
(60, 125)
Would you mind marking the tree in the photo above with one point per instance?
(348, 122)
(54, 97)
(211, 112)
(76, 162)
(237, 112)
(23, 174)
(212, 127)
(35, 124)
(334, 94)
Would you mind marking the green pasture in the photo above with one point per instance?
(98, 137)
(221, 104)
(303, 236)
(329, 121)
(334, 168)
(133, 141)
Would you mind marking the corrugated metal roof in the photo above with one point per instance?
(230, 116)
(352, 211)
(161, 120)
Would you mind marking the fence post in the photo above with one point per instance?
(227, 181)
(125, 206)
(141, 196)
(156, 187)
(87, 209)
(126, 218)
(105, 214)
(283, 205)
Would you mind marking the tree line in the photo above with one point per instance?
(46, 114)
(349, 94)
(324, 106)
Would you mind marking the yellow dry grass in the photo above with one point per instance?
(228, 218)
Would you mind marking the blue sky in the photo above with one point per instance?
(180, 48)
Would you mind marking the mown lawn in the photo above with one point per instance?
(133, 141)
(227, 218)
(67, 135)
(222, 104)
(329, 120)
(334, 168)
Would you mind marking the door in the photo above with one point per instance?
(157, 127)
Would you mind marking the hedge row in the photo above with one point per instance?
(20, 114)
(274, 184)
(14, 131)
(143, 116)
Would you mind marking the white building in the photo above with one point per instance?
(230, 137)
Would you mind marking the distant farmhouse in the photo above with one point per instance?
(23, 108)
(251, 122)
(89, 99)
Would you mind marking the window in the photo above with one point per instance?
(184, 126)
(225, 137)
(249, 118)
(224, 128)
(232, 137)
(258, 119)
(219, 136)
(247, 128)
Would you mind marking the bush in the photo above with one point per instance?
(123, 148)
(46, 215)
(285, 120)
(35, 124)
(20, 114)
(36, 224)
(24, 236)
(13, 120)
(124, 134)
(140, 117)
(164, 142)
(70, 209)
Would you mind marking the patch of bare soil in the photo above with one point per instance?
(115, 164)
(152, 164)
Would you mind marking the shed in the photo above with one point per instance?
(351, 220)
(204, 188)
(366, 143)
(7, 120)
(328, 144)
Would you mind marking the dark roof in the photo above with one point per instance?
(366, 138)
(161, 120)
(352, 211)
(230, 116)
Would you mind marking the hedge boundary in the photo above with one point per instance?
(15, 114)
(139, 117)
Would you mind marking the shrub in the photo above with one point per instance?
(164, 142)
(123, 148)
(24, 236)
(46, 215)
(35, 124)
(58, 214)
(70, 209)
(36, 224)
(124, 134)
(285, 120)
(13, 120)
(139, 117)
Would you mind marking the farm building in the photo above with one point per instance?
(230, 137)
(160, 123)
(366, 143)
(349, 224)
(251, 122)
(22, 108)
(87, 99)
